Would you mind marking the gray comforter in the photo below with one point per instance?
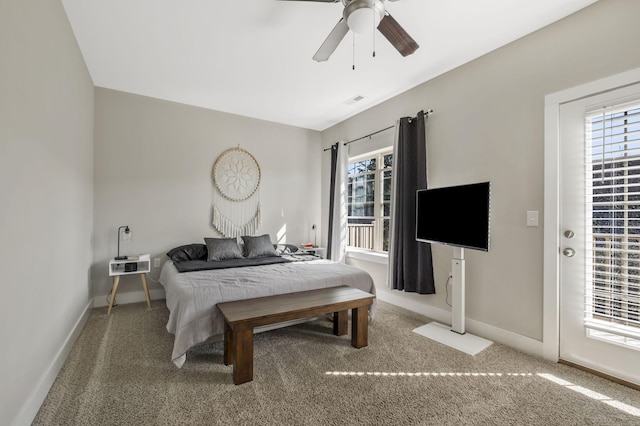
(192, 296)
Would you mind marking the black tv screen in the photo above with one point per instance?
(454, 215)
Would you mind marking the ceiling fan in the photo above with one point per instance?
(359, 16)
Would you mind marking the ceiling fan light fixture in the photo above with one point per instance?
(364, 16)
(360, 15)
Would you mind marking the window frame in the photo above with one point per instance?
(379, 217)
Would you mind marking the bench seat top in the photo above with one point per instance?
(284, 307)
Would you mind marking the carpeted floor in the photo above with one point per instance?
(120, 373)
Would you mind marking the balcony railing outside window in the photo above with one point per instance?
(360, 235)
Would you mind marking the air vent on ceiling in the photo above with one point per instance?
(354, 100)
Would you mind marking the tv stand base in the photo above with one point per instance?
(467, 343)
(456, 336)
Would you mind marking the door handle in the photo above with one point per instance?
(569, 252)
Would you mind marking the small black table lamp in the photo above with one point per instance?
(127, 236)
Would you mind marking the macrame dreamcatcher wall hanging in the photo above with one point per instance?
(236, 199)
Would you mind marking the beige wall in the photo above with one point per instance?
(153, 162)
(488, 125)
(46, 193)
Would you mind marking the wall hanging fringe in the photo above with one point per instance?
(228, 228)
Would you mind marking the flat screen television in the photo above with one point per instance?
(455, 215)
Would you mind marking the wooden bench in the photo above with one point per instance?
(243, 315)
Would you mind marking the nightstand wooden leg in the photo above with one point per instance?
(116, 281)
(146, 289)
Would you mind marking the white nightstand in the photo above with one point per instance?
(318, 251)
(134, 265)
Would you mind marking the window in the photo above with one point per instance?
(612, 310)
(369, 201)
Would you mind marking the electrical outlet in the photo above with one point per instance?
(156, 262)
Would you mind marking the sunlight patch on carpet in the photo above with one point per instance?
(423, 374)
(592, 394)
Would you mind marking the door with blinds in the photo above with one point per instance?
(600, 233)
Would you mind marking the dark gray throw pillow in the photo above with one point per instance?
(259, 246)
(188, 252)
(222, 248)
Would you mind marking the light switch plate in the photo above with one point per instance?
(532, 218)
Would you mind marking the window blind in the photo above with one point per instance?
(612, 292)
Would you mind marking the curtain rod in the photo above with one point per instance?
(376, 132)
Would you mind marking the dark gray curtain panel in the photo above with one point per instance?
(411, 261)
(332, 196)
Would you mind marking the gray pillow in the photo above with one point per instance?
(188, 252)
(259, 246)
(222, 248)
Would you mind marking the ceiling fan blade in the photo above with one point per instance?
(397, 36)
(332, 41)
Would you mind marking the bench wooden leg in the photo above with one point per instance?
(359, 327)
(243, 355)
(228, 344)
(340, 322)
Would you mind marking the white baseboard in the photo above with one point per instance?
(124, 298)
(506, 337)
(31, 406)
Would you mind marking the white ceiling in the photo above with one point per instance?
(253, 57)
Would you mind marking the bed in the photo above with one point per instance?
(194, 286)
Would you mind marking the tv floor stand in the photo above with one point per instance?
(456, 336)
(457, 291)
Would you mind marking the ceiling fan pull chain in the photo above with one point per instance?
(374, 33)
(353, 51)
